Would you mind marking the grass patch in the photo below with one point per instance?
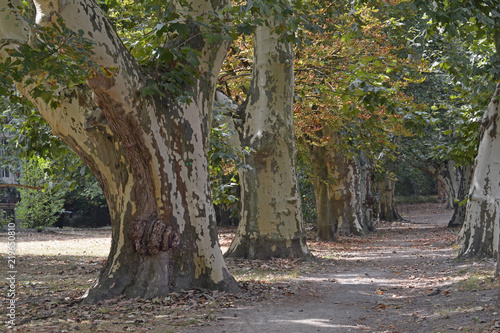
(478, 281)
(266, 271)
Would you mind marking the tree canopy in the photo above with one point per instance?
(130, 87)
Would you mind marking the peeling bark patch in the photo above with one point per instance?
(493, 132)
(153, 236)
(101, 82)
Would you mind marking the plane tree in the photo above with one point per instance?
(137, 109)
(260, 112)
(271, 218)
(447, 145)
(473, 65)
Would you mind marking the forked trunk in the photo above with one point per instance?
(149, 156)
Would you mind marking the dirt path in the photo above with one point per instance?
(403, 278)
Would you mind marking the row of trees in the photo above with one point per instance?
(131, 87)
(469, 55)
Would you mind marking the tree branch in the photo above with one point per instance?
(22, 186)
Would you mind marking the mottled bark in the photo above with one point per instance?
(443, 194)
(363, 190)
(271, 218)
(342, 187)
(347, 191)
(479, 234)
(456, 182)
(326, 226)
(448, 175)
(149, 156)
(459, 207)
(385, 208)
(340, 196)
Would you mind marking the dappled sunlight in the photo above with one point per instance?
(66, 242)
(226, 236)
(319, 322)
(75, 247)
(379, 256)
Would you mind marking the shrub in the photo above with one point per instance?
(39, 208)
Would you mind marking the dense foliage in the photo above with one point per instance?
(389, 79)
(39, 208)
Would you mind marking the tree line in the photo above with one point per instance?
(171, 105)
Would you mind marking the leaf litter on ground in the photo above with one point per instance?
(56, 267)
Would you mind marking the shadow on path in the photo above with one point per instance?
(403, 278)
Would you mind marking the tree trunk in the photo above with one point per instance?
(342, 186)
(271, 218)
(363, 191)
(449, 175)
(344, 192)
(443, 194)
(385, 208)
(149, 156)
(455, 179)
(481, 226)
(459, 208)
(326, 227)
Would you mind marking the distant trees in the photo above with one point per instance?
(473, 65)
(131, 87)
(350, 109)
(349, 113)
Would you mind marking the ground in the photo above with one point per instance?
(405, 277)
